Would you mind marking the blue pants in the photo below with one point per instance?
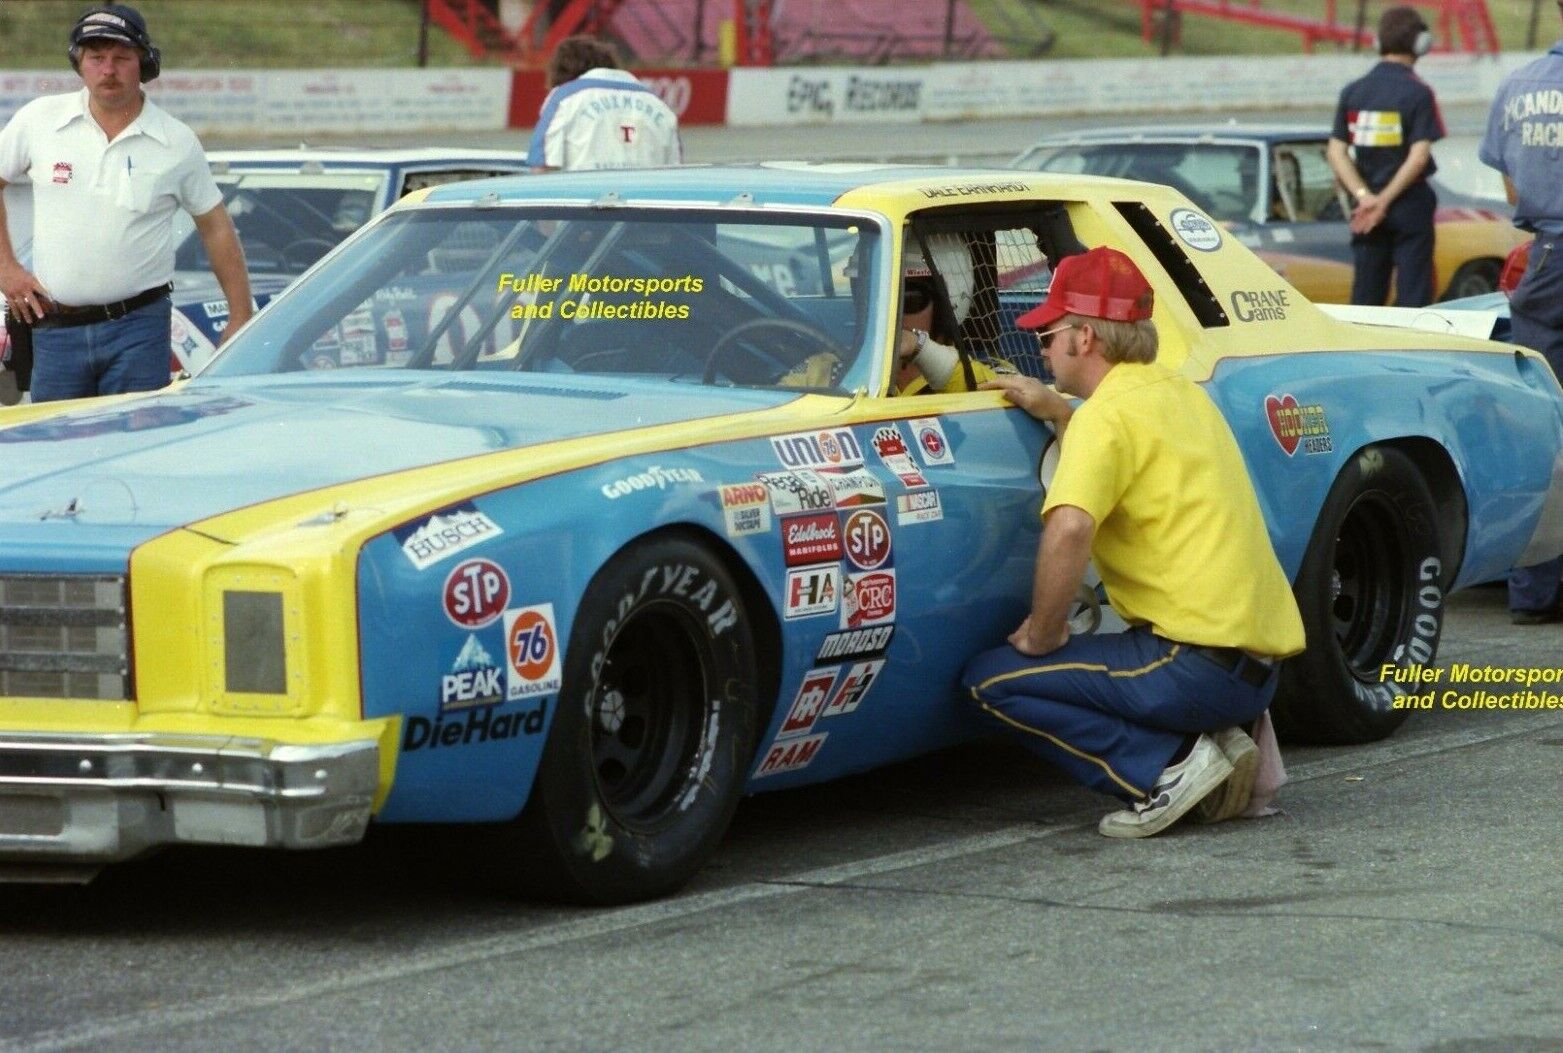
(1111, 710)
(104, 358)
(1402, 243)
(1536, 321)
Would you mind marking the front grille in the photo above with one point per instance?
(63, 636)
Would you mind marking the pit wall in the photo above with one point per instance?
(269, 102)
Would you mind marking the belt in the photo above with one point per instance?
(64, 317)
(1249, 670)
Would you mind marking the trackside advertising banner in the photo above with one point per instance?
(698, 96)
(977, 90)
(266, 102)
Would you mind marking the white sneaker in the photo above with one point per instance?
(1233, 796)
(1177, 789)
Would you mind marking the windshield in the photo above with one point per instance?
(286, 220)
(716, 297)
(1221, 178)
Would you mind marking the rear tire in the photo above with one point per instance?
(654, 733)
(1371, 592)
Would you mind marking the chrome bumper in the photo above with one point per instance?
(92, 799)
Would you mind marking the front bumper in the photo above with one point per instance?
(92, 799)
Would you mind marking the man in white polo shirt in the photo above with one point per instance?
(599, 116)
(108, 168)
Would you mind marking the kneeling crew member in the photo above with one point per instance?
(1150, 484)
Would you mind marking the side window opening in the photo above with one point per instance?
(988, 267)
(1196, 293)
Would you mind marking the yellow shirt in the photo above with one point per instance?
(1180, 541)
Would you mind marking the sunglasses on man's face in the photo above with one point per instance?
(915, 298)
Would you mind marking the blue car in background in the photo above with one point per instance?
(291, 207)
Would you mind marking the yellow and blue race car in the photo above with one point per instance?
(586, 504)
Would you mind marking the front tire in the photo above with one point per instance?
(1474, 278)
(654, 733)
(1371, 592)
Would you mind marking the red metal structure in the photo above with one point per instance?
(1460, 25)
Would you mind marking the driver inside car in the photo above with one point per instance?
(926, 358)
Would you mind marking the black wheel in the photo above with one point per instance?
(654, 732)
(1371, 591)
(770, 363)
(1474, 278)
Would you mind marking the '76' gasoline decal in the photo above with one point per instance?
(531, 651)
(476, 593)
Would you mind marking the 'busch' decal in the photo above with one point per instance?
(444, 534)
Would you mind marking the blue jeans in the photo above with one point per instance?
(1536, 321)
(104, 358)
(1111, 710)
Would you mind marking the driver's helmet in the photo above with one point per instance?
(953, 259)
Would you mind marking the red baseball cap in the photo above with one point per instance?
(1101, 283)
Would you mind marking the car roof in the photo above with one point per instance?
(362, 156)
(800, 183)
(1258, 133)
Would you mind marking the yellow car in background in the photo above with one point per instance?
(1272, 188)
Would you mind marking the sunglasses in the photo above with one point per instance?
(915, 298)
(1045, 337)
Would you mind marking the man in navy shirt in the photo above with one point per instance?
(1389, 120)
(1524, 141)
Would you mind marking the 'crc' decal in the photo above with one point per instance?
(1262, 305)
(834, 448)
(868, 599)
(476, 593)
(1294, 425)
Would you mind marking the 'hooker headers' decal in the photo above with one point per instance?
(1294, 425)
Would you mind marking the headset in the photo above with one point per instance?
(1421, 44)
(116, 22)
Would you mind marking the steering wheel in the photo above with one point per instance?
(729, 342)
(303, 252)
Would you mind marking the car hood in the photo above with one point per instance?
(208, 447)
